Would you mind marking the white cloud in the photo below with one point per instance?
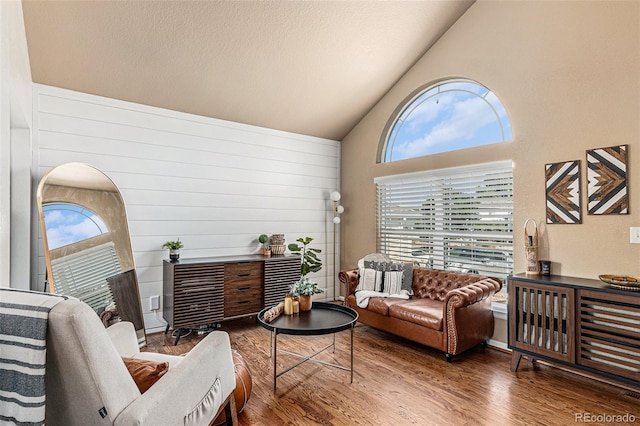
(465, 120)
(428, 111)
(61, 233)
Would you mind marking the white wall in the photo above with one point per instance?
(215, 184)
(15, 148)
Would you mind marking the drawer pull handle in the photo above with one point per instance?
(244, 275)
(195, 290)
(244, 288)
(242, 302)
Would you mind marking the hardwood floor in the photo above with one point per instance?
(398, 382)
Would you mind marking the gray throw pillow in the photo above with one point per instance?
(392, 282)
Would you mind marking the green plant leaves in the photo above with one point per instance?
(310, 260)
(173, 245)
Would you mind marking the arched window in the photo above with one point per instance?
(69, 223)
(451, 115)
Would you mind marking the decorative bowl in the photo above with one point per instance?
(621, 280)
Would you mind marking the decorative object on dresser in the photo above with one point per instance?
(531, 247)
(276, 244)
(622, 282)
(448, 311)
(583, 324)
(563, 192)
(174, 249)
(264, 240)
(202, 292)
(545, 267)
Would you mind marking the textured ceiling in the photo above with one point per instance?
(310, 67)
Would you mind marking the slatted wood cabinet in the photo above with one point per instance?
(205, 291)
(580, 323)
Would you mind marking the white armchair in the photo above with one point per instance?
(87, 382)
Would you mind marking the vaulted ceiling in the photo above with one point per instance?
(309, 67)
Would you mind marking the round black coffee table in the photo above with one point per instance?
(323, 318)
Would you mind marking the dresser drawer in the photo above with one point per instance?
(243, 269)
(242, 307)
(248, 292)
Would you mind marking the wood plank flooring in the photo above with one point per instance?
(398, 382)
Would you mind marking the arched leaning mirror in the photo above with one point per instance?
(87, 245)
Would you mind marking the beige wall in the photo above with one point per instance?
(568, 74)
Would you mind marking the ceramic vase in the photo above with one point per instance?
(305, 302)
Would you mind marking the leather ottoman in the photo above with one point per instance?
(244, 385)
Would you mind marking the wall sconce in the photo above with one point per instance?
(337, 211)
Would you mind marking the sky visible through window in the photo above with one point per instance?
(453, 115)
(67, 224)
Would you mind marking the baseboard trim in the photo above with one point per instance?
(497, 344)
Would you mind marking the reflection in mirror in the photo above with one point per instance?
(87, 244)
(71, 223)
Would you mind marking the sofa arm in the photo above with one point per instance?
(190, 393)
(350, 280)
(123, 337)
(472, 293)
(467, 320)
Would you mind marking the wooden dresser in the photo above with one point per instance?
(579, 323)
(203, 291)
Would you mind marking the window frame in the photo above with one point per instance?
(409, 103)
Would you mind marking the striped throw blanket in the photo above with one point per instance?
(23, 332)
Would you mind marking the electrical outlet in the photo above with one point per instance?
(634, 233)
(154, 303)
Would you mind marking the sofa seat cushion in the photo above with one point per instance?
(380, 305)
(425, 312)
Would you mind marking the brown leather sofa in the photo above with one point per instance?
(448, 311)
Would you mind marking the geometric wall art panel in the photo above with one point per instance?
(563, 192)
(607, 180)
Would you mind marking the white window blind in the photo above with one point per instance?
(458, 219)
(83, 275)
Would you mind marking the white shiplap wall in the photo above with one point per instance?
(215, 184)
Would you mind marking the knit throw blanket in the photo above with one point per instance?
(23, 332)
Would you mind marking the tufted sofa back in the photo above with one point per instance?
(435, 284)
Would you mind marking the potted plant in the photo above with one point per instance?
(305, 289)
(264, 240)
(174, 249)
(310, 262)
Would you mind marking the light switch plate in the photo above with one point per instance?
(634, 232)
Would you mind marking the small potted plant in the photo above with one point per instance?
(174, 249)
(264, 240)
(304, 289)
